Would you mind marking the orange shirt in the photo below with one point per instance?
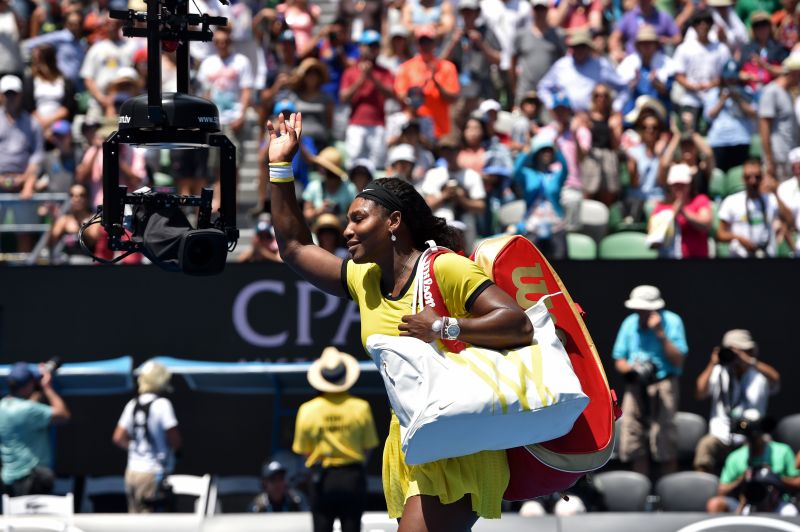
(417, 73)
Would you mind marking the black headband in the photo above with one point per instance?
(381, 195)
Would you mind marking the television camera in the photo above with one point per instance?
(154, 223)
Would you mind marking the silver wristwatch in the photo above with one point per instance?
(450, 329)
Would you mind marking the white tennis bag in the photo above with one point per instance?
(454, 404)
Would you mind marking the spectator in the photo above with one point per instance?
(366, 87)
(540, 176)
(58, 163)
(622, 41)
(728, 28)
(599, 166)
(748, 219)
(412, 135)
(69, 45)
(21, 152)
(397, 51)
(264, 247)
(277, 495)
(699, 64)
(474, 140)
(580, 15)
(125, 84)
(747, 8)
(497, 182)
(11, 31)
(649, 352)
(317, 106)
(25, 430)
(695, 153)
(507, 19)
(761, 461)
(578, 72)
(736, 381)
(474, 49)
(401, 163)
(646, 72)
(100, 65)
(301, 17)
(789, 194)
(731, 112)
(64, 232)
(281, 60)
(528, 123)
(48, 95)
(335, 48)
(436, 79)
(148, 430)
(335, 432)
(432, 15)
(644, 159)
(785, 23)
(762, 56)
(568, 133)
(453, 192)
(777, 122)
(362, 171)
(332, 194)
(534, 51)
(691, 216)
(363, 16)
(328, 231)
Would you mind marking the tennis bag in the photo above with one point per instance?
(515, 265)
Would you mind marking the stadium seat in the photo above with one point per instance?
(623, 491)
(687, 491)
(756, 149)
(233, 494)
(716, 185)
(581, 247)
(56, 506)
(626, 245)
(691, 428)
(788, 431)
(593, 219)
(104, 495)
(198, 488)
(734, 182)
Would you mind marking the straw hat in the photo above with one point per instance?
(580, 37)
(646, 33)
(331, 159)
(309, 64)
(333, 371)
(643, 103)
(154, 378)
(328, 221)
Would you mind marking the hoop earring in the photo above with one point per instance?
(392, 238)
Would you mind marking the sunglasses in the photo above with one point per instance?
(753, 176)
(79, 195)
(649, 128)
(600, 95)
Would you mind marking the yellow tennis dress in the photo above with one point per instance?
(484, 476)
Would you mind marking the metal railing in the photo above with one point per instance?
(7, 199)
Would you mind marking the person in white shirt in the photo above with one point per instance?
(789, 194)
(748, 219)
(735, 380)
(455, 193)
(728, 28)
(148, 430)
(698, 66)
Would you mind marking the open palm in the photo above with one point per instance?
(283, 138)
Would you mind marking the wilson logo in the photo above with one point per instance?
(124, 119)
(427, 296)
(207, 119)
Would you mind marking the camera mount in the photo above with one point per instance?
(169, 121)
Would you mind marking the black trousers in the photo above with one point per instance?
(727, 157)
(339, 492)
(38, 482)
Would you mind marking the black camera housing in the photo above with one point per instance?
(726, 356)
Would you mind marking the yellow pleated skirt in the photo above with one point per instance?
(484, 476)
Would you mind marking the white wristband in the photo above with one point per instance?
(281, 174)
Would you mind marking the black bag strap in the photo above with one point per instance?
(145, 426)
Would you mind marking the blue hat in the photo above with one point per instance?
(542, 141)
(560, 100)
(61, 127)
(370, 37)
(282, 106)
(730, 70)
(19, 375)
(496, 169)
(286, 36)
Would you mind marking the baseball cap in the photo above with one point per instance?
(398, 30)
(401, 152)
(10, 83)
(271, 469)
(282, 106)
(679, 173)
(469, 4)
(369, 37)
(738, 339)
(489, 105)
(62, 127)
(560, 100)
(20, 374)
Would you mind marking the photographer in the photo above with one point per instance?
(758, 475)
(649, 352)
(736, 380)
(24, 423)
(148, 430)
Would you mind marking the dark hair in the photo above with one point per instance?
(419, 218)
(484, 130)
(752, 161)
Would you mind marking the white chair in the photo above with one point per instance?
(593, 219)
(30, 505)
(238, 486)
(101, 487)
(194, 486)
(511, 213)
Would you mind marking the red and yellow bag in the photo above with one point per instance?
(517, 267)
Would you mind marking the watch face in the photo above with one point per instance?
(452, 330)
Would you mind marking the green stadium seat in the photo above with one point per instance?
(755, 146)
(581, 247)
(734, 182)
(626, 245)
(716, 186)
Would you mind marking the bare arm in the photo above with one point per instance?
(121, 438)
(174, 439)
(447, 20)
(701, 390)
(60, 413)
(764, 129)
(317, 266)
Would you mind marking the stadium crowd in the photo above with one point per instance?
(674, 123)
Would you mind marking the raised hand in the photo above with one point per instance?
(283, 138)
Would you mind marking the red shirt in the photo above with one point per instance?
(417, 73)
(367, 102)
(694, 243)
